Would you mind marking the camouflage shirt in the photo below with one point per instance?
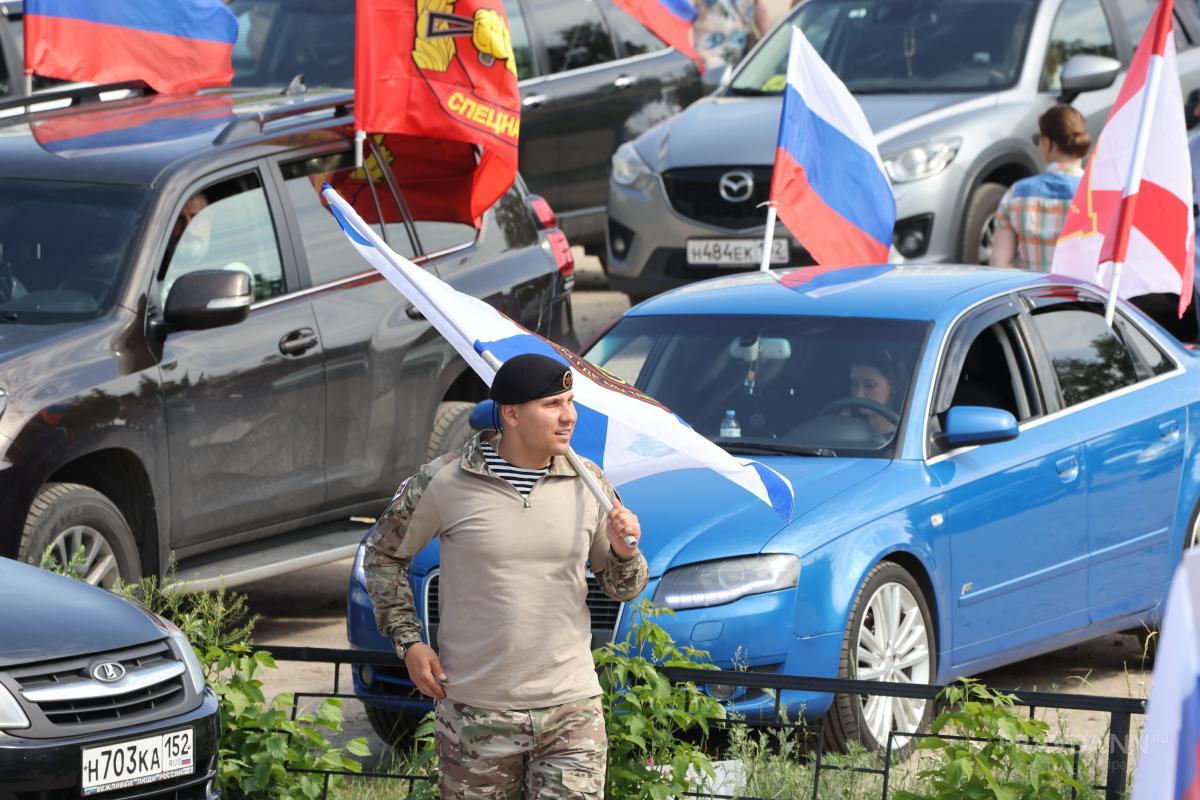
(515, 630)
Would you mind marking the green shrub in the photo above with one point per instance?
(1009, 760)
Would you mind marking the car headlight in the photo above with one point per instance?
(628, 168)
(357, 573)
(12, 716)
(922, 161)
(717, 582)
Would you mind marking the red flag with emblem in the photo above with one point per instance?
(442, 69)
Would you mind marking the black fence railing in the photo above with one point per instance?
(1120, 711)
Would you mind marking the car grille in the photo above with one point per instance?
(64, 698)
(605, 611)
(693, 193)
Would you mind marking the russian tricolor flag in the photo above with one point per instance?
(829, 185)
(173, 45)
(1169, 762)
(669, 20)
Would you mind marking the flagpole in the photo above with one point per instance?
(1133, 182)
(360, 137)
(768, 238)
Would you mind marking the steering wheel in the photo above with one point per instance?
(861, 402)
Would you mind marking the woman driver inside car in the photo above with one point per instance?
(873, 378)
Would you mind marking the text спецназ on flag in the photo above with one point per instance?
(619, 428)
(1134, 203)
(829, 186)
(670, 20)
(173, 45)
(1168, 761)
(442, 70)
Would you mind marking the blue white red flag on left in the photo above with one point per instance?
(173, 45)
(1169, 761)
(625, 432)
(829, 186)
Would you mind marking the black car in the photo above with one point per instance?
(591, 78)
(98, 696)
(194, 359)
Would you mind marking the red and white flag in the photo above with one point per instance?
(1134, 204)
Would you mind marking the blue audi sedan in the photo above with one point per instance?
(983, 469)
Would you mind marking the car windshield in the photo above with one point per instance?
(63, 248)
(812, 386)
(901, 46)
(280, 39)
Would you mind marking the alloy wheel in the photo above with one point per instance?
(99, 563)
(985, 239)
(893, 644)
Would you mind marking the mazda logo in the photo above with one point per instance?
(736, 186)
(108, 671)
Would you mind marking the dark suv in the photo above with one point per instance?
(193, 358)
(98, 697)
(591, 78)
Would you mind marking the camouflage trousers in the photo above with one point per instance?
(555, 753)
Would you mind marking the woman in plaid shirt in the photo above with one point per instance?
(1032, 211)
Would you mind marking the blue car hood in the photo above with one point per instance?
(702, 134)
(695, 515)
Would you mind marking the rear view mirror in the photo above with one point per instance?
(974, 425)
(208, 298)
(1087, 73)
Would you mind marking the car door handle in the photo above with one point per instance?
(625, 81)
(1068, 468)
(298, 342)
(1168, 430)
(534, 101)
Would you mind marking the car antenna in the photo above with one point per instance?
(296, 86)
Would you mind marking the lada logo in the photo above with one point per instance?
(736, 186)
(108, 671)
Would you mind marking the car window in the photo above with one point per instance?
(1080, 27)
(632, 35)
(279, 39)
(1088, 358)
(326, 249)
(573, 32)
(1150, 355)
(226, 226)
(522, 50)
(1135, 14)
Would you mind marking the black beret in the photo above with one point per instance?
(529, 376)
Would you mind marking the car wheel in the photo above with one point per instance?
(67, 518)
(396, 728)
(979, 224)
(451, 428)
(890, 638)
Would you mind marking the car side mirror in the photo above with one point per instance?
(208, 298)
(1087, 73)
(714, 78)
(974, 425)
(485, 416)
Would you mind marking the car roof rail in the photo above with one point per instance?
(251, 126)
(76, 94)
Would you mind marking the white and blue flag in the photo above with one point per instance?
(628, 434)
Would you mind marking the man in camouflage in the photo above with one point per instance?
(517, 698)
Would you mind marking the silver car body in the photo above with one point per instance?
(726, 132)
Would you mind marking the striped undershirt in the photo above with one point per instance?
(521, 479)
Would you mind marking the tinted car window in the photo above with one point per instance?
(1153, 358)
(227, 226)
(522, 51)
(1080, 27)
(329, 253)
(50, 275)
(1088, 358)
(632, 35)
(314, 38)
(573, 32)
(886, 46)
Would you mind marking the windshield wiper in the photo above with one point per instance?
(776, 448)
(9, 316)
(749, 91)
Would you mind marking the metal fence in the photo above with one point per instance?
(1120, 711)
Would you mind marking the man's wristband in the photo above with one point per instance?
(403, 646)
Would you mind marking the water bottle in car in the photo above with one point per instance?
(730, 429)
